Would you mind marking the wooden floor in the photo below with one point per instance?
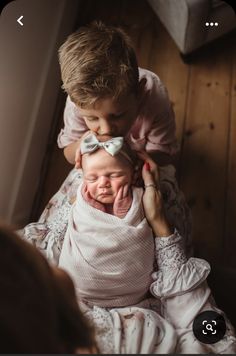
(203, 95)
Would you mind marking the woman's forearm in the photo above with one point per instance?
(161, 227)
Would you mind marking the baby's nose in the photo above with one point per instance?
(104, 181)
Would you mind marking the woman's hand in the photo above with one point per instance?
(152, 198)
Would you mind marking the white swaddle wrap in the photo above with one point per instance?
(109, 259)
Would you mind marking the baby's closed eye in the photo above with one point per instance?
(116, 175)
(90, 178)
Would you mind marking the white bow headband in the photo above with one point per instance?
(112, 146)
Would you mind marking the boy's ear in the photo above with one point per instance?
(141, 86)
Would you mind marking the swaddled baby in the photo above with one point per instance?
(108, 172)
(108, 248)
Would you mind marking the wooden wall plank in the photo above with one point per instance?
(144, 47)
(204, 159)
(230, 231)
(104, 10)
(167, 64)
(132, 21)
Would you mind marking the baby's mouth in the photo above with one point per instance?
(104, 193)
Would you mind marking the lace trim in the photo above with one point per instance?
(170, 253)
(103, 326)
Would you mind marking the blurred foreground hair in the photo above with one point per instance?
(37, 314)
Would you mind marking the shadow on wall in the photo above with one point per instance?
(29, 87)
(222, 281)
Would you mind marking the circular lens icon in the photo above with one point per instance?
(209, 327)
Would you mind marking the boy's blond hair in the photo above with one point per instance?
(98, 61)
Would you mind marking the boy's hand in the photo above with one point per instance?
(77, 151)
(122, 202)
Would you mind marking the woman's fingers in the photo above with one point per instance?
(152, 200)
(150, 169)
(143, 155)
(148, 179)
(147, 175)
(152, 197)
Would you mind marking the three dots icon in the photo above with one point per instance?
(211, 24)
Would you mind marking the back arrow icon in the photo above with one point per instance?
(19, 20)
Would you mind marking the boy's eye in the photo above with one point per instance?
(118, 116)
(91, 118)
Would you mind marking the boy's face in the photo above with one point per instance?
(110, 117)
(105, 175)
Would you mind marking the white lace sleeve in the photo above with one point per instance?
(176, 274)
(170, 252)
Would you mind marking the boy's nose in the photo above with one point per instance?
(105, 127)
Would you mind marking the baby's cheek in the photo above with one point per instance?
(92, 188)
(117, 184)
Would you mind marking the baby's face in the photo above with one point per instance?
(105, 175)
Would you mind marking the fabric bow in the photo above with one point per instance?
(91, 144)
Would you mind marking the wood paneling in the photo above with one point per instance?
(230, 216)
(205, 149)
(167, 64)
